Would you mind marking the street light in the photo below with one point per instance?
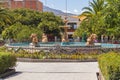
(65, 21)
(46, 2)
(66, 7)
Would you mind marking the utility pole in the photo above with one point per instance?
(46, 2)
(66, 21)
(66, 7)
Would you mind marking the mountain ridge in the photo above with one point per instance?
(56, 11)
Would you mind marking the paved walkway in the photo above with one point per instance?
(55, 71)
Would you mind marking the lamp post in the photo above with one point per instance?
(64, 36)
(65, 21)
(66, 7)
(65, 29)
(46, 2)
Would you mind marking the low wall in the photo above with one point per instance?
(64, 49)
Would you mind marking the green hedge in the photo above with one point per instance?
(43, 55)
(7, 60)
(110, 65)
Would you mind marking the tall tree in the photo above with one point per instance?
(112, 18)
(95, 8)
(5, 19)
(27, 17)
(20, 32)
(94, 21)
(45, 21)
(50, 23)
(38, 22)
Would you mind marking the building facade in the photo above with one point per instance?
(72, 24)
(29, 4)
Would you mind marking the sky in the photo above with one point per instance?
(73, 6)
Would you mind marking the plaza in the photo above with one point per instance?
(55, 71)
(59, 40)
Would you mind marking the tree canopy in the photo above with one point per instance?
(95, 8)
(94, 22)
(5, 19)
(101, 20)
(25, 22)
(19, 32)
(112, 18)
(50, 23)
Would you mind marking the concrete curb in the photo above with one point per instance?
(53, 60)
(100, 76)
(8, 73)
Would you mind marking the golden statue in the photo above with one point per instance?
(91, 39)
(34, 39)
(44, 38)
(63, 39)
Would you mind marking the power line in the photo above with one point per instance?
(66, 7)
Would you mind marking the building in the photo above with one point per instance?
(29, 4)
(72, 24)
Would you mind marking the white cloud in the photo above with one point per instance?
(51, 5)
(66, 11)
(75, 10)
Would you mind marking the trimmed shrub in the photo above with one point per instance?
(7, 60)
(110, 65)
(43, 55)
(2, 49)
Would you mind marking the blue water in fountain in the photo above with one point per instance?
(103, 45)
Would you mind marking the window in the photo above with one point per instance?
(72, 25)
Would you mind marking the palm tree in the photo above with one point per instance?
(4, 18)
(93, 21)
(95, 8)
(2, 15)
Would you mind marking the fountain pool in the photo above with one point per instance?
(67, 44)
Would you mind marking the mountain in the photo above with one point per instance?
(55, 11)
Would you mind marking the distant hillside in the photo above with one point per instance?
(55, 11)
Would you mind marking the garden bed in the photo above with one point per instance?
(109, 65)
(7, 73)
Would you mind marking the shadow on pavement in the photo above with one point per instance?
(15, 74)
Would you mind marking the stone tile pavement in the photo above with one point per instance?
(55, 71)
